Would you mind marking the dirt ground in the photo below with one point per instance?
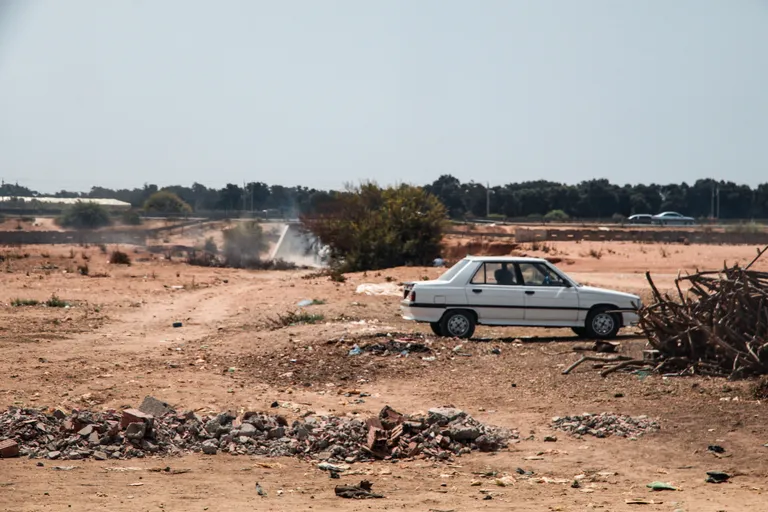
(115, 344)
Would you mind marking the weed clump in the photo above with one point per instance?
(119, 258)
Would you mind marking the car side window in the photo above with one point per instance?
(495, 273)
(537, 274)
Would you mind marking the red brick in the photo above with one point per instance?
(9, 448)
(135, 416)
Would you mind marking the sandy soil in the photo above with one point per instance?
(115, 344)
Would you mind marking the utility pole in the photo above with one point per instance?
(488, 200)
(718, 202)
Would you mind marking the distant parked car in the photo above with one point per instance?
(641, 218)
(673, 218)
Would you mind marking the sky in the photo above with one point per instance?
(321, 93)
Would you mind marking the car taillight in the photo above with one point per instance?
(412, 297)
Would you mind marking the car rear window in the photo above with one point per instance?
(451, 273)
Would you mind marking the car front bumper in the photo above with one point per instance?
(630, 319)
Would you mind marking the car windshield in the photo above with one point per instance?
(563, 275)
(451, 273)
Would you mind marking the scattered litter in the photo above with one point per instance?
(717, 477)
(355, 351)
(137, 484)
(661, 486)
(714, 448)
(324, 466)
(383, 289)
(260, 490)
(402, 347)
(177, 324)
(642, 501)
(357, 492)
(63, 468)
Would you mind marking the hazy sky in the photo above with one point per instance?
(322, 92)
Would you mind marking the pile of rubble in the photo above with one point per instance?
(155, 429)
(605, 424)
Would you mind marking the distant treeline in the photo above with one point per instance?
(593, 199)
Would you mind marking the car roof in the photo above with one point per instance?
(506, 259)
(669, 213)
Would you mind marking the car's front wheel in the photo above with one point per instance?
(602, 324)
(458, 324)
(436, 328)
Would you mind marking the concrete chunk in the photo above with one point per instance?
(155, 407)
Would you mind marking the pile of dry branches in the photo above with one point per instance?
(719, 327)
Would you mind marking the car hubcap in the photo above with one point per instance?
(603, 324)
(458, 325)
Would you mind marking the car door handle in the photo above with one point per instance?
(477, 290)
(529, 292)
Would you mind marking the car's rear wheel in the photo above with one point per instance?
(458, 324)
(581, 332)
(602, 324)
(436, 328)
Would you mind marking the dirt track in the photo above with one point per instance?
(116, 344)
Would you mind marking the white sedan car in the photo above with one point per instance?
(516, 292)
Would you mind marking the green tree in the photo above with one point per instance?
(85, 215)
(369, 228)
(556, 216)
(166, 202)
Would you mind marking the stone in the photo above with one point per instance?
(155, 407)
(86, 431)
(248, 430)
(550, 439)
(210, 447)
(276, 433)
(8, 449)
(99, 455)
(444, 415)
(54, 454)
(94, 438)
(463, 432)
(136, 431)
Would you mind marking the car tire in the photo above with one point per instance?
(581, 332)
(602, 324)
(458, 324)
(436, 328)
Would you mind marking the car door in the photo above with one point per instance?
(548, 297)
(494, 292)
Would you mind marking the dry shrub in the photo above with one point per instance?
(119, 258)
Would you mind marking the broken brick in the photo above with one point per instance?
(135, 416)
